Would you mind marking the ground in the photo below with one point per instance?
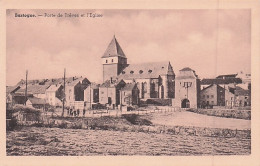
(77, 142)
(132, 139)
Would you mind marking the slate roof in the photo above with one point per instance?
(129, 87)
(227, 76)
(241, 92)
(11, 89)
(182, 75)
(51, 81)
(113, 49)
(53, 88)
(220, 81)
(35, 100)
(109, 84)
(34, 89)
(146, 70)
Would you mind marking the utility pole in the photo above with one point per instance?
(26, 76)
(90, 95)
(64, 95)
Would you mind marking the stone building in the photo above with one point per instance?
(91, 94)
(154, 80)
(109, 92)
(74, 90)
(215, 95)
(130, 94)
(54, 95)
(187, 89)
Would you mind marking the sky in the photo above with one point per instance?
(211, 42)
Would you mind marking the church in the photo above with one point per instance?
(153, 80)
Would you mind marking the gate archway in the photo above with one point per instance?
(185, 103)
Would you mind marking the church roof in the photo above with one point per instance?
(113, 49)
(147, 70)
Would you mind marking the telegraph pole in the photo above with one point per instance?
(26, 76)
(64, 95)
(90, 95)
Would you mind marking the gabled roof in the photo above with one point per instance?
(186, 75)
(147, 70)
(113, 84)
(53, 88)
(12, 89)
(220, 81)
(241, 92)
(227, 76)
(35, 100)
(113, 49)
(33, 89)
(129, 87)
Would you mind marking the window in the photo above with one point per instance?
(123, 72)
(106, 61)
(245, 97)
(150, 71)
(207, 96)
(212, 102)
(102, 92)
(141, 71)
(212, 96)
(112, 60)
(132, 72)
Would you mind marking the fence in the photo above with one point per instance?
(118, 112)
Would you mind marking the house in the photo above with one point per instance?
(10, 91)
(35, 90)
(187, 89)
(35, 102)
(54, 95)
(74, 90)
(91, 94)
(215, 95)
(245, 77)
(242, 97)
(222, 81)
(154, 80)
(129, 94)
(109, 92)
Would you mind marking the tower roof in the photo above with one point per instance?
(114, 49)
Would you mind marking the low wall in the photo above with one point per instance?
(227, 113)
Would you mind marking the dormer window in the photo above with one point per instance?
(141, 71)
(131, 72)
(150, 71)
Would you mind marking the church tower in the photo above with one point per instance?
(113, 60)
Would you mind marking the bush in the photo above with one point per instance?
(136, 120)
